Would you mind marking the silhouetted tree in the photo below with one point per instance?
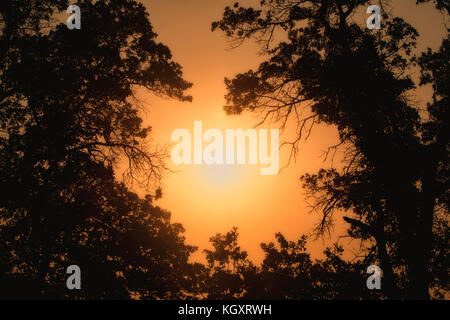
(440, 4)
(287, 269)
(126, 248)
(68, 117)
(287, 272)
(227, 267)
(329, 68)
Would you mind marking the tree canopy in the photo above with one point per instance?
(328, 68)
(68, 117)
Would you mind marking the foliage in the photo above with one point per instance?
(324, 67)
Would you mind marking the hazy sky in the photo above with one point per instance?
(207, 200)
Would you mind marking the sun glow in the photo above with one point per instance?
(209, 199)
(220, 176)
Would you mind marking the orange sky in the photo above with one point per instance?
(211, 199)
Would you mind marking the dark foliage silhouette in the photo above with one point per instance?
(440, 4)
(69, 123)
(227, 267)
(67, 119)
(287, 272)
(330, 69)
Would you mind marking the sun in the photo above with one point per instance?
(219, 176)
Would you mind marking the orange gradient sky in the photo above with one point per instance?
(211, 199)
